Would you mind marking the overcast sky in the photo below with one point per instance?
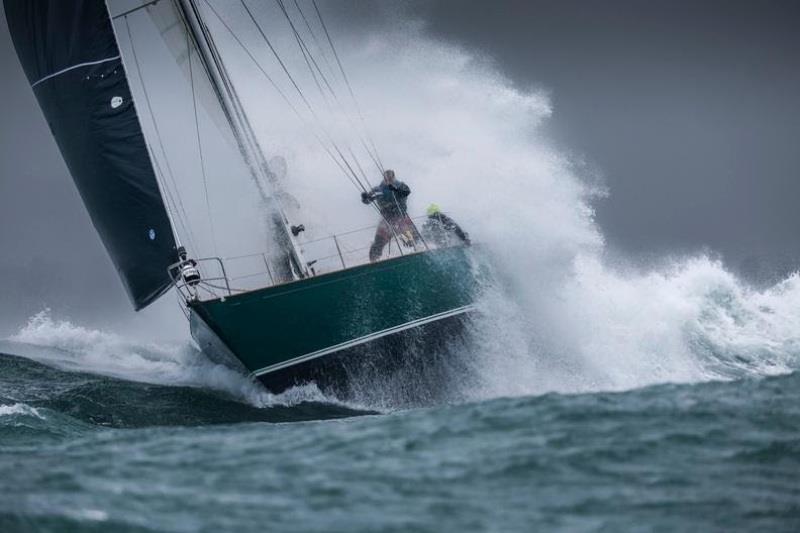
(690, 110)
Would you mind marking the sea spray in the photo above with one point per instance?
(79, 348)
(605, 330)
(561, 316)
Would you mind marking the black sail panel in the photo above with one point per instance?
(70, 56)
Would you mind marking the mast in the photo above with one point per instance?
(240, 125)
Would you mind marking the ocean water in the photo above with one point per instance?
(159, 438)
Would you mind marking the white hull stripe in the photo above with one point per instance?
(73, 67)
(361, 340)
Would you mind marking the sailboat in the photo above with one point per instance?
(303, 310)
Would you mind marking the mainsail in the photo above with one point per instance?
(71, 59)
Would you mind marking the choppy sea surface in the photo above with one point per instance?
(117, 449)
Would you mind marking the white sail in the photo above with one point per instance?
(223, 211)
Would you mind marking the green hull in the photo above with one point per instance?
(308, 323)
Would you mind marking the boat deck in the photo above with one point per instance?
(223, 277)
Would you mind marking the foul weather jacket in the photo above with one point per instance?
(390, 198)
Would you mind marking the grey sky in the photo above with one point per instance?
(690, 110)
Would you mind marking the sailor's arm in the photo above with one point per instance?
(400, 188)
(368, 196)
(463, 235)
(451, 225)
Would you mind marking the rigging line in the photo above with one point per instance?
(255, 61)
(294, 83)
(200, 146)
(306, 52)
(285, 98)
(333, 48)
(314, 37)
(373, 157)
(356, 182)
(291, 78)
(333, 92)
(310, 68)
(351, 175)
(358, 164)
(346, 80)
(278, 57)
(300, 44)
(350, 168)
(308, 55)
(153, 119)
(135, 9)
(171, 198)
(411, 221)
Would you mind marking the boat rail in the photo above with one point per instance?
(222, 277)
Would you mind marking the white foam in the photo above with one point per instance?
(605, 330)
(20, 409)
(166, 363)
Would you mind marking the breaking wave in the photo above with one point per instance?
(603, 330)
(76, 348)
(20, 409)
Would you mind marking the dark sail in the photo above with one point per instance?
(70, 56)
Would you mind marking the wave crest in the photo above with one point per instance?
(78, 348)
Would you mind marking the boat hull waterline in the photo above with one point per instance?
(333, 328)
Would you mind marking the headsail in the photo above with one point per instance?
(70, 57)
(181, 81)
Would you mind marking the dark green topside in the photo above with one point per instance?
(271, 326)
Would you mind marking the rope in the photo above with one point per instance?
(200, 146)
(352, 175)
(342, 161)
(353, 179)
(309, 59)
(277, 57)
(365, 185)
(347, 82)
(314, 37)
(170, 198)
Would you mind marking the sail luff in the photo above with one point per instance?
(71, 58)
(162, 189)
